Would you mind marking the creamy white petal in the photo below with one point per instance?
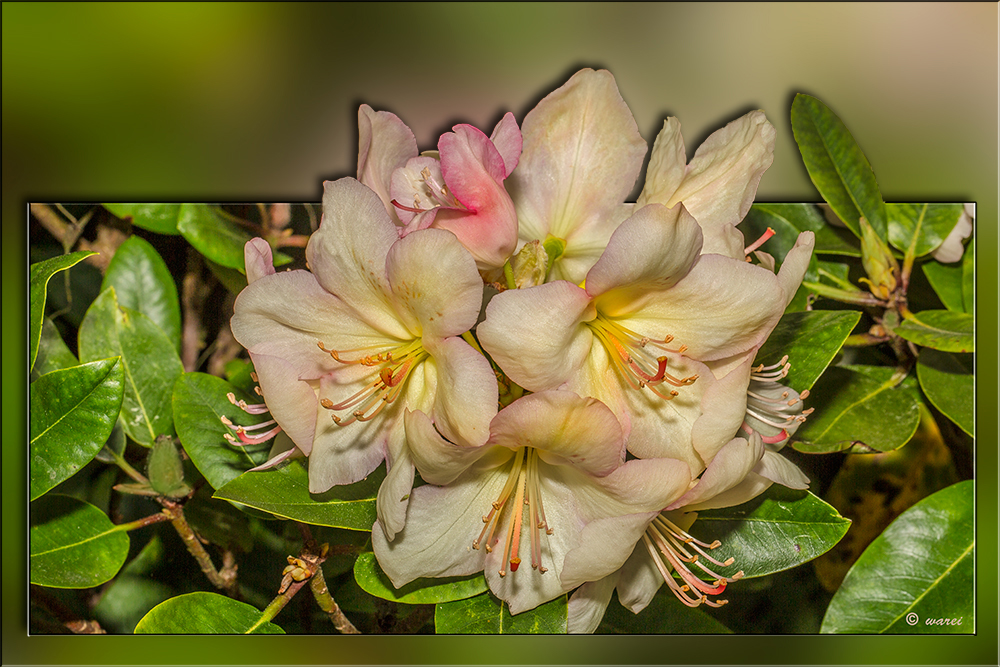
(507, 139)
(777, 468)
(466, 398)
(385, 143)
(258, 259)
(793, 269)
(291, 401)
(666, 166)
(729, 467)
(752, 486)
(588, 603)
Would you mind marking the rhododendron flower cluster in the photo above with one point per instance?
(571, 375)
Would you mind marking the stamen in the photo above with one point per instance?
(663, 538)
(255, 409)
(759, 242)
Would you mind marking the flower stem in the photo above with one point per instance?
(146, 521)
(277, 604)
(225, 579)
(329, 605)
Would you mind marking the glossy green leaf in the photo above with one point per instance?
(969, 276)
(946, 280)
(374, 581)
(947, 380)
(159, 218)
(284, 492)
(213, 235)
(664, 615)
(788, 220)
(917, 229)
(199, 403)
(811, 340)
(943, 330)
(37, 283)
(836, 165)
(143, 283)
(72, 544)
(53, 354)
(776, 531)
(917, 576)
(860, 406)
(485, 614)
(72, 414)
(205, 613)
(165, 469)
(133, 592)
(150, 362)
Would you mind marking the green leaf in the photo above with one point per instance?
(811, 340)
(133, 592)
(788, 220)
(664, 615)
(860, 406)
(149, 359)
(836, 165)
(159, 218)
(969, 276)
(165, 469)
(143, 283)
(940, 329)
(38, 282)
(946, 279)
(73, 544)
(775, 531)
(947, 380)
(199, 403)
(53, 355)
(917, 229)
(72, 414)
(915, 574)
(205, 613)
(374, 581)
(284, 492)
(485, 614)
(219, 238)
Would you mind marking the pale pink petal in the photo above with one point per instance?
(394, 492)
(585, 245)
(435, 286)
(793, 269)
(347, 254)
(588, 603)
(666, 166)
(564, 428)
(507, 139)
(729, 467)
(605, 545)
(725, 240)
(291, 401)
(582, 154)
(385, 143)
(258, 259)
(536, 335)
(418, 185)
(752, 486)
(723, 409)
(440, 461)
(777, 468)
(466, 392)
(639, 580)
(721, 181)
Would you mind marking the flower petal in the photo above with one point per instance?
(666, 165)
(534, 334)
(348, 252)
(564, 428)
(721, 181)
(385, 143)
(752, 486)
(466, 398)
(439, 461)
(258, 259)
(727, 469)
(639, 580)
(777, 468)
(292, 402)
(793, 269)
(723, 409)
(588, 603)
(394, 493)
(507, 139)
(582, 154)
(435, 286)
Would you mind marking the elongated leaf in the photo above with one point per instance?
(53, 355)
(72, 414)
(836, 165)
(374, 581)
(284, 492)
(946, 279)
(38, 282)
(940, 329)
(860, 406)
(917, 577)
(969, 276)
(143, 283)
(159, 218)
(217, 237)
(484, 614)
(149, 359)
(202, 614)
(665, 615)
(72, 544)
(777, 530)
(948, 382)
(918, 229)
(199, 403)
(811, 340)
(788, 220)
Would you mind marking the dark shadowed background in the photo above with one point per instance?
(258, 103)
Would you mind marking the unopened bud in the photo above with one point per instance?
(878, 262)
(529, 265)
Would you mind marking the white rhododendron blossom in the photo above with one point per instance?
(514, 506)
(373, 328)
(572, 375)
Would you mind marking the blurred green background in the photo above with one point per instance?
(258, 102)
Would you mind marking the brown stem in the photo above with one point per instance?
(68, 618)
(193, 295)
(145, 521)
(67, 233)
(226, 580)
(329, 605)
